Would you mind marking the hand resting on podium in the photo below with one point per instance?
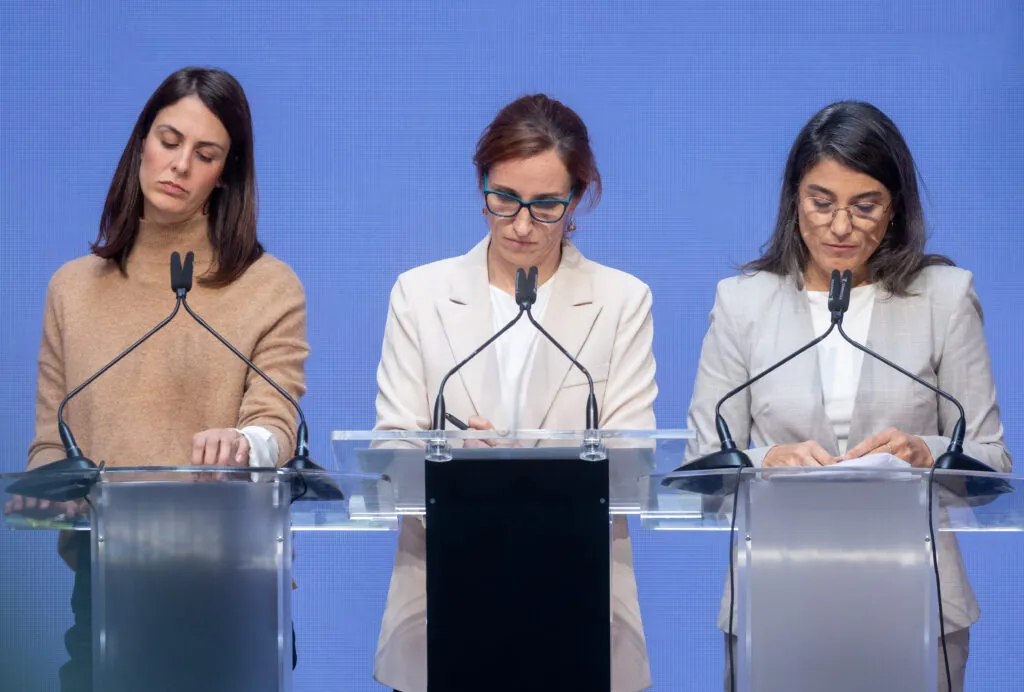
(220, 447)
(909, 448)
(480, 423)
(44, 510)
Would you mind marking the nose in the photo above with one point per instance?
(842, 223)
(522, 224)
(182, 162)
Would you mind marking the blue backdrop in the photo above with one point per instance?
(366, 117)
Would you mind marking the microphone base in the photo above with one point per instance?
(311, 482)
(969, 486)
(64, 480)
(711, 484)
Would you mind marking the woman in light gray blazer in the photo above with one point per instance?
(850, 201)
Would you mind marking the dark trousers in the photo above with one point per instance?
(76, 674)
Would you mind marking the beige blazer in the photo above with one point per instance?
(441, 312)
(935, 333)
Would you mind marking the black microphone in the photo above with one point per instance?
(314, 487)
(954, 458)
(729, 457)
(300, 461)
(592, 417)
(66, 486)
(524, 299)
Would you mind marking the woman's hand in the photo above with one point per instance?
(220, 447)
(44, 509)
(808, 453)
(479, 423)
(909, 448)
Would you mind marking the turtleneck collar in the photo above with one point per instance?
(156, 241)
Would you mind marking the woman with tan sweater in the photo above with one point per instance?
(186, 182)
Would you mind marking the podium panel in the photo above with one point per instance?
(836, 584)
(191, 586)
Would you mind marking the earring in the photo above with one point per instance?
(571, 227)
(484, 211)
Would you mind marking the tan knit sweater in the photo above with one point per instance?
(145, 410)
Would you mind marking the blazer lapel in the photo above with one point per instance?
(796, 329)
(468, 322)
(887, 334)
(569, 318)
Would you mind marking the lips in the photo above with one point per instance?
(172, 188)
(841, 249)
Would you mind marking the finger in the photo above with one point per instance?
(807, 459)
(479, 423)
(864, 447)
(820, 455)
(242, 451)
(210, 451)
(198, 447)
(226, 451)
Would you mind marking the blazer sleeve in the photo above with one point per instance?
(631, 389)
(401, 382)
(965, 371)
(281, 352)
(722, 366)
(51, 385)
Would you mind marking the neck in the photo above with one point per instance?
(502, 275)
(156, 240)
(819, 280)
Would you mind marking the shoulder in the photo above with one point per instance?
(753, 291)
(80, 277)
(938, 281)
(947, 289)
(74, 272)
(431, 274)
(271, 274)
(614, 283)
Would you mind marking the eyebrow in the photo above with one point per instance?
(176, 131)
(870, 194)
(556, 196)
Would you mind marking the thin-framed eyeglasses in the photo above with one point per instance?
(863, 215)
(506, 206)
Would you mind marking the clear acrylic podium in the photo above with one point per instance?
(834, 578)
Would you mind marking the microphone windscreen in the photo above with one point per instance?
(186, 272)
(522, 288)
(532, 284)
(845, 290)
(833, 291)
(176, 271)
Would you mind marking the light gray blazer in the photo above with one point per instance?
(935, 333)
(441, 312)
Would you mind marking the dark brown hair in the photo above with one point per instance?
(231, 207)
(532, 125)
(861, 137)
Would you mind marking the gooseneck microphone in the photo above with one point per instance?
(67, 486)
(525, 298)
(729, 457)
(300, 461)
(592, 417)
(954, 457)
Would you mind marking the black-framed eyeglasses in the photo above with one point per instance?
(506, 206)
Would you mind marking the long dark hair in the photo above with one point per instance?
(232, 206)
(861, 137)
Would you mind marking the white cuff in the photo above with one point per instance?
(263, 449)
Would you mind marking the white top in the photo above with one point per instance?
(838, 361)
(517, 348)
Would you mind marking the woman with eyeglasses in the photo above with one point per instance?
(534, 166)
(850, 201)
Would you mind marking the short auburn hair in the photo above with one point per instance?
(532, 125)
